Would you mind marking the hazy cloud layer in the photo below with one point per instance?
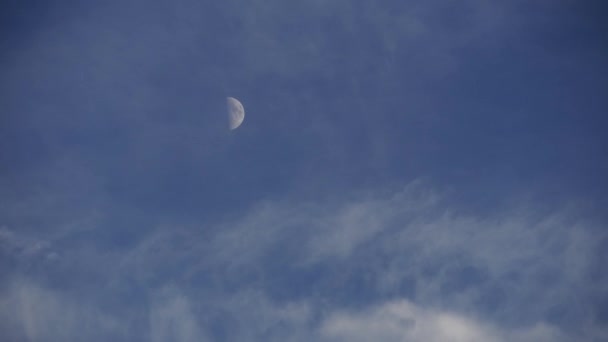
(417, 270)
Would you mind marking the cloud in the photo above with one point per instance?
(356, 222)
(171, 319)
(521, 270)
(34, 313)
(401, 320)
(378, 264)
(23, 249)
(249, 314)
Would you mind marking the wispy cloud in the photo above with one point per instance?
(516, 269)
(34, 313)
(172, 319)
(405, 255)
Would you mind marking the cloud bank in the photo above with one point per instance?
(385, 266)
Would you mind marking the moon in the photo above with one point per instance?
(236, 113)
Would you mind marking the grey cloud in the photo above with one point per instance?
(172, 319)
(34, 313)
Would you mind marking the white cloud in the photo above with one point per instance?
(401, 320)
(350, 225)
(285, 271)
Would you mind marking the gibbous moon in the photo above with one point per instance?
(236, 113)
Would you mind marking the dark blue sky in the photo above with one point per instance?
(405, 171)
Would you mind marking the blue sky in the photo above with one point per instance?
(406, 171)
